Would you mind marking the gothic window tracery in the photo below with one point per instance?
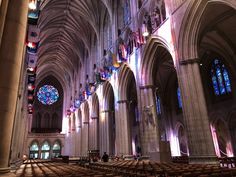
(47, 94)
(220, 78)
(127, 13)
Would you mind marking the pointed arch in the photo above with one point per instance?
(148, 58)
(190, 28)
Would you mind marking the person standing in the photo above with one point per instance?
(105, 157)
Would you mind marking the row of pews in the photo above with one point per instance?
(124, 168)
(154, 169)
(41, 168)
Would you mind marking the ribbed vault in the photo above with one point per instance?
(68, 29)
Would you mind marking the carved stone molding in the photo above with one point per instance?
(143, 87)
(189, 61)
(122, 101)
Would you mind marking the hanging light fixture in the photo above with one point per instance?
(33, 5)
(145, 30)
(147, 25)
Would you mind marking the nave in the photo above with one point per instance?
(124, 168)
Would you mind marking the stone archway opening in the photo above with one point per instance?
(183, 146)
(216, 43)
(133, 117)
(168, 99)
(107, 122)
(221, 138)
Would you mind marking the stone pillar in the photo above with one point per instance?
(150, 135)
(11, 54)
(201, 148)
(78, 136)
(3, 13)
(104, 132)
(93, 133)
(84, 138)
(79, 139)
(73, 144)
(123, 133)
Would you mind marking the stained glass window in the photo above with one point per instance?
(220, 78)
(56, 146)
(127, 14)
(56, 150)
(46, 146)
(47, 94)
(158, 105)
(179, 98)
(34, 147)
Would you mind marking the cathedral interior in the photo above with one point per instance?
(149, 82)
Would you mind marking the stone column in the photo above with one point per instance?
(11, 54)
(150, 136)
(201, 148)
(78, 136)
(104, 132)
(80, 140)
(3, 13)
(93, 133)
(123, 133)
(84, 138)
(73, 144)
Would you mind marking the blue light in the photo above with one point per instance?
(47, 94)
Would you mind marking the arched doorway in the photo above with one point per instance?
(34, 150)
(128, 110)
(107, 123)
(221, 138)
(168, 98)
(45, 150)
(56, 149)
(182, 138)
(133, 116)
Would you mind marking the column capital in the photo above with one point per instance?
(122, 101)
(143, 87)
(189, 61)
(105, 111)
(94, 117)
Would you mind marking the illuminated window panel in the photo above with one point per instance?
(48, 95)
(220, 78)
(158, 105)
(179, 98)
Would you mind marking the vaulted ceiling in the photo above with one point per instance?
(68, 29)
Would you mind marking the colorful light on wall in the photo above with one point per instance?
(31, 87)
(77, 103)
